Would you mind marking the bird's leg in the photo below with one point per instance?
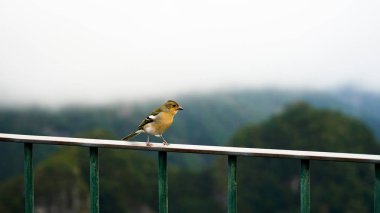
(165, 142)
(147, 141)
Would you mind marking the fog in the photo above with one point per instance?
(59, 52)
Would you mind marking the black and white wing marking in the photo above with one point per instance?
(148, 119)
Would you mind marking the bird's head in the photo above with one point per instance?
(172, 106)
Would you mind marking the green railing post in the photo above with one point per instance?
(94, 179)
(377, 189)
(232, 184)
(305, 186)
(162, 182)
(28, 178)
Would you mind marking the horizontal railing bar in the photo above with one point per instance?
(200, 149)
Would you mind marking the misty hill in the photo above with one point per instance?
(128, 178)
(207, 119)
(271, 185)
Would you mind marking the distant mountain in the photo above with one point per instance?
(207, 119)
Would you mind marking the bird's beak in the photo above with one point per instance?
(180, 108)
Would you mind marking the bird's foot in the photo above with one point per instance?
(164, 141)
(148, 143)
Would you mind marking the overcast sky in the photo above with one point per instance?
(98, 51)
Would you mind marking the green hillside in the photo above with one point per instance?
(209, 119)
(271, 185)
(128, 179)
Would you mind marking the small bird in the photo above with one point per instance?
(157, 122)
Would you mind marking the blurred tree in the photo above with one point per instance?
(271, 185)
(193, 191)
(11, 191)
(127, 178)
(59, 186)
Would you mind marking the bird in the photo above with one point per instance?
(157, 122)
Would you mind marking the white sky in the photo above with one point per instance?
(98, 51)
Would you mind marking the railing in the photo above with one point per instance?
(231, 152)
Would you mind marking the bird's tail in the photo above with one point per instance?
(130, 136)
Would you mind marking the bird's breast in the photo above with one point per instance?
(159, 125)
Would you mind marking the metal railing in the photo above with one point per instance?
(231, 152)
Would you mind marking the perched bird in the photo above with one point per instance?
(157, 122)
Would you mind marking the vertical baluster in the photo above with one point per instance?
(377, 189)
(94, 179)
(162, 182)
(305, 186)
(28, 178)
(232, 184)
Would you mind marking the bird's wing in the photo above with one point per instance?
(149, 118)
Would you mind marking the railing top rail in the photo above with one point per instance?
(185, 148)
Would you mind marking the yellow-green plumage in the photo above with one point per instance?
(157, 122)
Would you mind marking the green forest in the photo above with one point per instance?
(197, 183)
